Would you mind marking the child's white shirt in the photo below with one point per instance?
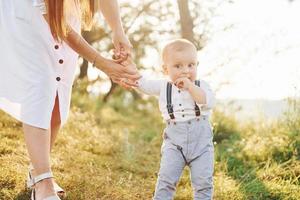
(182, 101)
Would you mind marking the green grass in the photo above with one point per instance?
(112, 152)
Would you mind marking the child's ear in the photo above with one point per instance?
(165, 69)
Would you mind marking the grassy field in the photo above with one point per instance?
(112, 152)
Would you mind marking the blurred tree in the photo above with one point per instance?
(141, 23)
(186, 20)
(149, 22)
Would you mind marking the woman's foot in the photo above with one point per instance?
(44, 189)
(59, 191)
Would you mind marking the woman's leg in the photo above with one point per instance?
(38, 145)
(55, 122)
(51, 136)
(55, 126)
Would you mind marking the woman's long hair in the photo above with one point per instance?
(59, 9)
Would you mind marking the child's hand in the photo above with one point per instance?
(126, 61)
(120, 56)
(183, 83)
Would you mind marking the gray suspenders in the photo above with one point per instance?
(169, 101)
(197, 109)
(172, 116)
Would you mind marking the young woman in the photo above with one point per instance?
(40, 42)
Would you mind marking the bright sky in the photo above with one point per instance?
(260, 53)
(258, 56)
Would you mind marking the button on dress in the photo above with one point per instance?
(34, 68)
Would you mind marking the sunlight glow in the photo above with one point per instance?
(253, 51)
(259, 55)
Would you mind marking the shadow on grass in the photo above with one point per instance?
(242, 171)
(23, 195)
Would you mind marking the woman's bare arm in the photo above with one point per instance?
(111, 68)
(114, 70)
(111, 13)
(78, 44)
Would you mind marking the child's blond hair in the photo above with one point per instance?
(176, 45)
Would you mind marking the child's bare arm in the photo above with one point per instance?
(198, 94)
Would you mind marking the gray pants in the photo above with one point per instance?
(186, 143)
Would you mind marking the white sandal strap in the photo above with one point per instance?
(31, 167)
(58, 189)
(52, 198)
(42, 177)
(29, 182)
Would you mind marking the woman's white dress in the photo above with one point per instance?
(34, 68)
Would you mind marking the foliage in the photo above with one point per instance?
(111, 151)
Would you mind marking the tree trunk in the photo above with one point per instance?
(83, 69)
(112, 88)
(186, 20)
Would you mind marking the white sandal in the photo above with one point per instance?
(59, 191)
(39, 178)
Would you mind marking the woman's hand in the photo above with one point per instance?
(129, 64)
(122, 45)
(111, 12)
(117, 72)
(122, 55)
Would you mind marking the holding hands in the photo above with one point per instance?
(121, 68)
(123, 57)
(111, 67)
(122, 45)
(117, 72)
